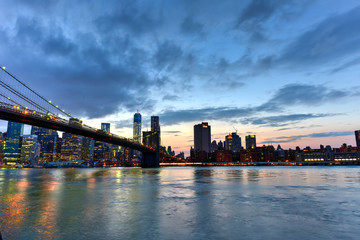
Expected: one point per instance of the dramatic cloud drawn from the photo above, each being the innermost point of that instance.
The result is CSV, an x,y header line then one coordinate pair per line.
x,y
262,63
289,95
301,94
333,39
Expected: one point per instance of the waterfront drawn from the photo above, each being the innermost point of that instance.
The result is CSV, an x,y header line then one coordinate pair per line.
x,y
181,203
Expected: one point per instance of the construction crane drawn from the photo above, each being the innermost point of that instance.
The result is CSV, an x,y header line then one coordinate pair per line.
x,y
235,129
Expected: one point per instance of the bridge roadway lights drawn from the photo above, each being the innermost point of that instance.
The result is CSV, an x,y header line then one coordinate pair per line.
x,y
150,160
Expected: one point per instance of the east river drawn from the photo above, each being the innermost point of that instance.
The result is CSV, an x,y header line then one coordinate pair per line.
x,y
181,203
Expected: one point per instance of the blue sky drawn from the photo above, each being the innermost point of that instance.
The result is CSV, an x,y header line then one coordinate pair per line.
x,y
287,71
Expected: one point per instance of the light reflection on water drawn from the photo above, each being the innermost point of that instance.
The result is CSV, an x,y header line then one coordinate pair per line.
x,y
181,203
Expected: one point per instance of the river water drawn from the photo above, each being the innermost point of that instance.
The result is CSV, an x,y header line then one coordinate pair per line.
x,y
181,203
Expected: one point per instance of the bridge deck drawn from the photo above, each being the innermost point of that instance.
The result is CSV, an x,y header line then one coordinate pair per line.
x,y
16,114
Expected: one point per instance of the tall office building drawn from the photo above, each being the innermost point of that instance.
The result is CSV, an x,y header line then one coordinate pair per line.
x,y
12,143
105,127
30,148
250,142
155,124
137,127
357,138
71,147
87,149
233,142
48,139
202,137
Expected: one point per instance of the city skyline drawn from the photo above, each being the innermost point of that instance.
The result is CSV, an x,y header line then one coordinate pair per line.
x,y
282,71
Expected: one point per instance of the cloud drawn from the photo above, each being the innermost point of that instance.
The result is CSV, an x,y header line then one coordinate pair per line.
x,y
259,13
346,65
286,139
295,127
167,55
86,75
170,97
288,95
192,27
170,132
282,120
132,16
302,94
329,41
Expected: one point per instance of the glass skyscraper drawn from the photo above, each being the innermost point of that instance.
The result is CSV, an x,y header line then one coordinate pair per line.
x,y
30,148
48,140
12,142
137,127
233,142
155,125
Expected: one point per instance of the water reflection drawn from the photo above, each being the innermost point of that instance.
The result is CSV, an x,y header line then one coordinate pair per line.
x,y
180,203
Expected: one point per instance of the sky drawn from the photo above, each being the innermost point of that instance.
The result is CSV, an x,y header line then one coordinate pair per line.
x,y
284,70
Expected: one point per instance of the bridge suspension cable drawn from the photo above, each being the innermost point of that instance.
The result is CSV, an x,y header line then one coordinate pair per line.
x,y
16,95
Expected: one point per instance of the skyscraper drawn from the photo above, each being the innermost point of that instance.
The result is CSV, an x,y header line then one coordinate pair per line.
x,y
105,127
357,138
155,129
202,137
233,142
71,147
250,142
12,142
155,125
30,148
87,150
137,127
48,140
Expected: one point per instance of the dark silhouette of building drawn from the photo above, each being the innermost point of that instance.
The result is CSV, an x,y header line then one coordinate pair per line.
x,y
233,142
214,146
155,124
357,138
202,137
222,156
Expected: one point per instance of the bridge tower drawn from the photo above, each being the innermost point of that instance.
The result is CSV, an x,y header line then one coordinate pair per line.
x,y
150,160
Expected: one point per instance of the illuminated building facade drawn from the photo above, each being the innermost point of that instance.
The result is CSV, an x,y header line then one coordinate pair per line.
x,y
233,142
87,149
71,147
12,143
48,139
98,151
250,142
30,149
137,127
357,138
202,137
